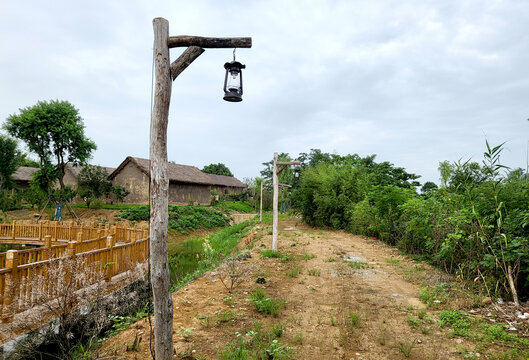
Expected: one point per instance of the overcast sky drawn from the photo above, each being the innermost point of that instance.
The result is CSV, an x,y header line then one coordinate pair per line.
x,y
415,82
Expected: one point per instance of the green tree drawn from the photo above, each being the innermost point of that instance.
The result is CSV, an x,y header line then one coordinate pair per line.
x,y
217,169
95,179
10,157
54,131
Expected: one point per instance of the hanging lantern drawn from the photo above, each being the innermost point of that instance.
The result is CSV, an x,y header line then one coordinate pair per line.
x,y
233,80
296,174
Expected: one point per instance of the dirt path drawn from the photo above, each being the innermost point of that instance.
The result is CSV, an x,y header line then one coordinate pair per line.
x,y
352,300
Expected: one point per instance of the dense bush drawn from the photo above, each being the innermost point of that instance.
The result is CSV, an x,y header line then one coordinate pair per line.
x,y
475,225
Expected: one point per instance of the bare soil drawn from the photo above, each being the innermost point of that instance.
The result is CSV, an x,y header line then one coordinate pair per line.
x,y
319,303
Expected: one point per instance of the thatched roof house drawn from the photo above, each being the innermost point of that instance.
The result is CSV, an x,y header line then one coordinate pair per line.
x,y
23,175
186,183
72,172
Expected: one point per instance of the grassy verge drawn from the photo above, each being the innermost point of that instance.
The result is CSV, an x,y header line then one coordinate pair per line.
x,y
197,255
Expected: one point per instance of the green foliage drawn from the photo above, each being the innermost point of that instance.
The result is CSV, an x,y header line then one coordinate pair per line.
x,y
54,131
10,158
95,179
217,169
96,204
181,218
476,225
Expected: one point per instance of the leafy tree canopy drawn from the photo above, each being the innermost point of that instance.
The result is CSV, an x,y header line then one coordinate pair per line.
x,y
95,179
54,131
10,158
217,169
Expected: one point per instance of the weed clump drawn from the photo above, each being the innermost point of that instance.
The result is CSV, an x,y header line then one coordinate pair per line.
x,y
264,304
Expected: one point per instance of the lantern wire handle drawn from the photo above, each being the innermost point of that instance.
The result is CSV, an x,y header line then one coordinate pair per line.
x,y
234,53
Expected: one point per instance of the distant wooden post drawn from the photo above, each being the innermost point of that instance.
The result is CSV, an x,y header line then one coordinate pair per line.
x,y
275,173
261,206
13,230
275,182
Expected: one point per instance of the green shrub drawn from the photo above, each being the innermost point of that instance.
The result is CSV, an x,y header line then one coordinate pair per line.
x,y
96,203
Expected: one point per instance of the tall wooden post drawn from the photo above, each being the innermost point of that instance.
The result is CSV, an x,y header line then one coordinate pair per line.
x,y
261,207
275,182
165,72
163,303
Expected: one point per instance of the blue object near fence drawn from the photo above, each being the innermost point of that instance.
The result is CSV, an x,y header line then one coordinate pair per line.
x,y
58,212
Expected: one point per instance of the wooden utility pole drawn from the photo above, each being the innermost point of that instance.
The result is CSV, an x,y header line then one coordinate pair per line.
x,y
261,207
159,182
275,173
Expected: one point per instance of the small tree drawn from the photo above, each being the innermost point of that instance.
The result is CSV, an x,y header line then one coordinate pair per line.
x,y
55,132
217,169
95,179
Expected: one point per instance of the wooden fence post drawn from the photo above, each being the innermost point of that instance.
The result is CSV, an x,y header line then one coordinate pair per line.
x,y
40,231
10,287
69,231
275,182
109,265
70,250
13,230
47,251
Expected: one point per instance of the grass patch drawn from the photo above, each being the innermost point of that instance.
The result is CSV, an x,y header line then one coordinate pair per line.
x,y
257,344
392,261
269,253
354,321
264,304
314,272
330,259
357,265
432,296
308,256
294,272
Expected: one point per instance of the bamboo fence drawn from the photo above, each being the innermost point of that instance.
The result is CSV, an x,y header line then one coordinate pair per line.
x,y
27,276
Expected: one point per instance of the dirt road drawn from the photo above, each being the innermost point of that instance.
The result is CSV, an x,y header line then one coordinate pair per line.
x,y
346,297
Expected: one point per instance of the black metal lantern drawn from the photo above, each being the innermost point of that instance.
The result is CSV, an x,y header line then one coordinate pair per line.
x,y
233,80
296,174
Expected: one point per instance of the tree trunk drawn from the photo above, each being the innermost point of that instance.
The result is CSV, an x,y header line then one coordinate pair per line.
x,y
512,285
163,304
275,201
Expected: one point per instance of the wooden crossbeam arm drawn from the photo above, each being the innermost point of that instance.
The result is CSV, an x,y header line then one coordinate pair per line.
x,y
281,169
209,42
285,185
184,60
288,163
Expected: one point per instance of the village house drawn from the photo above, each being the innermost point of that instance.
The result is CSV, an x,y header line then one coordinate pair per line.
x,y
187,184
22,176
